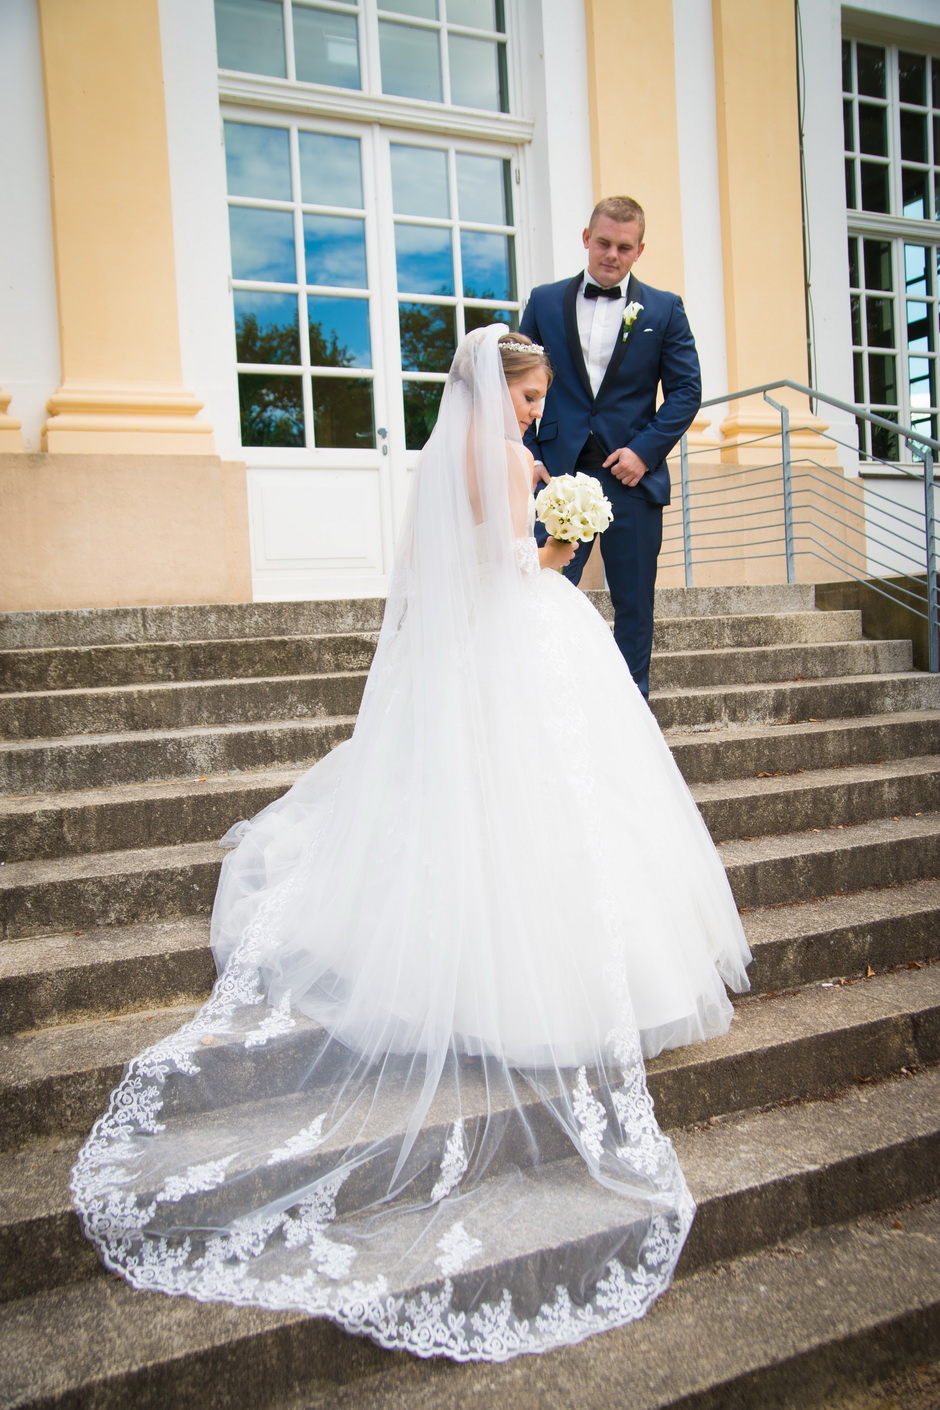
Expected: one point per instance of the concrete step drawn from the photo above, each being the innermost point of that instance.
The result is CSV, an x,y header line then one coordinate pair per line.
x,y
100,626
815,798
787,702
67,978
55,1081
128,663
711,754
754,1185
801,1324
73,667
109,760
782,661
55,713
801,866
136,815
202,809
127,887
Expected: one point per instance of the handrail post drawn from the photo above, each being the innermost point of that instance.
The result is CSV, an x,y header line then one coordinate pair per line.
x,y
933,607
686,510
787,487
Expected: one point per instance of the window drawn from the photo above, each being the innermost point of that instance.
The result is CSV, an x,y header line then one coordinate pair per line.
x,y
437,51
891,113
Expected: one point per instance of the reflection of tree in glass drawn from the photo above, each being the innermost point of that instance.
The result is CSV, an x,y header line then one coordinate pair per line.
x,y
272,411
266,342
325,349
422,401
428,337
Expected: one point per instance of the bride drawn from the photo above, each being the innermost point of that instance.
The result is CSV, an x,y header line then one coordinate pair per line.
x,y
415,1102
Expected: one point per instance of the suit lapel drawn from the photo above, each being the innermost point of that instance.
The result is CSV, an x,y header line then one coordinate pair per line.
x,y
634,294
571,330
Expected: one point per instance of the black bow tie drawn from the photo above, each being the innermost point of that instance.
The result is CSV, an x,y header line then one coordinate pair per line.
x,y
594,291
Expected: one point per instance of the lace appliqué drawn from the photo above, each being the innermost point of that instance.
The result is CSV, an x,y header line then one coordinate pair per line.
x,y
457,1248
527,555
453,1165
302,1143
278,1021
590,1115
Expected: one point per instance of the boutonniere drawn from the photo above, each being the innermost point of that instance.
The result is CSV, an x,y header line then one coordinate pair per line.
x,y
630,315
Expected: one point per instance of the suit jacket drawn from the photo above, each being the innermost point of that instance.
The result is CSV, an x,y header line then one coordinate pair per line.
x,y
659,349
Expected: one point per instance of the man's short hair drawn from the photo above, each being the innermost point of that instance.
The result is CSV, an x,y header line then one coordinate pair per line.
x,y
621,209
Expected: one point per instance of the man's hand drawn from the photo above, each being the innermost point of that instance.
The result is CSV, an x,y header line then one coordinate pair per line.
x,y
540,475
626,466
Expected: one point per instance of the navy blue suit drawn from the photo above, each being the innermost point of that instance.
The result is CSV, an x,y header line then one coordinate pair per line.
x,y
579,430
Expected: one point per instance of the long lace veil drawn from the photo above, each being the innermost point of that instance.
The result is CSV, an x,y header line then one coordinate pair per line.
x,y
404,1107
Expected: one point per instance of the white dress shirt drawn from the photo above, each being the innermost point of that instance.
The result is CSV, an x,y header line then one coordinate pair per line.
x,y
600,322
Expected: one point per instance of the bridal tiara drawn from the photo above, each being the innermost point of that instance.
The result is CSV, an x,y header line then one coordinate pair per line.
x,y
521,347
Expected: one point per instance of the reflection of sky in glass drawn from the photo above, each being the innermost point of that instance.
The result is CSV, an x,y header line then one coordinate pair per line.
x,y
919,371
347,322
326,47
266,327
262,245
428,336
424,9
482,189
251,36
335,248
411,61
475,14
424,259
914,193
330,170
257,160
474,72
918,328
915,269
487,265
419,181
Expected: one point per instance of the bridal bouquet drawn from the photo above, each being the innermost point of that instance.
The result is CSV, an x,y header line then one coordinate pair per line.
x,y
574,508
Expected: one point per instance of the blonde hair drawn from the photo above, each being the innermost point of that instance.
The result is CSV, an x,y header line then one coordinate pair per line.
x,y
619,208
518,360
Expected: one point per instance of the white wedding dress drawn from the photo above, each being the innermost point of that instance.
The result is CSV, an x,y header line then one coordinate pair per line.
x,y
415,1102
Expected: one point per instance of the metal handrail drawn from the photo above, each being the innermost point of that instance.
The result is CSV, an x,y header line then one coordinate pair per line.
x,y
923,447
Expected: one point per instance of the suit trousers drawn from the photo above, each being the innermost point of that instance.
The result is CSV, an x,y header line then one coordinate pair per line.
x,y
630,548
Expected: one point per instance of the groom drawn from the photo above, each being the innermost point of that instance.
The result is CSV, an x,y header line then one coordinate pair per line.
x,y
613,342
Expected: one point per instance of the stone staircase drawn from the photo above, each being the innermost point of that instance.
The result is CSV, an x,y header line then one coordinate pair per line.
x,y
810,1133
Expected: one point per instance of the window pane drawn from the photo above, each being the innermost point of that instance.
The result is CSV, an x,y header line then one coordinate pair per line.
x,y
411,61
914,193
920,378
853,263
916,269
847,67
424,9
342,413
326,47
419,181
257,160
880,323
266,327
481,317
476,14
856,319
330,170
339,332
250,36
422,400
488,271
428,336
882,381
884,443
870,60
858,363
873,129
919,328
272,410
878,265
335,248
874,187
262,245
912,78
848,125
424,259
935,67
483,191
850,198
475,73
913,137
